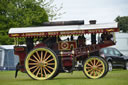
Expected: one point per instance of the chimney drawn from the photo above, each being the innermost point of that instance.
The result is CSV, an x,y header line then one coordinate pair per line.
x,y
92,21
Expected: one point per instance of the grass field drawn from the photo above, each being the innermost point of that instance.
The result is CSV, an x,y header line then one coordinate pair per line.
x,y
116,77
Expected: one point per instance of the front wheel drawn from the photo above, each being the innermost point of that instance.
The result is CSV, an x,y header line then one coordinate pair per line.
x,y
94,67
41,64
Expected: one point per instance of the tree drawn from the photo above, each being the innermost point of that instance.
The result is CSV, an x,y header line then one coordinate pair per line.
x,y
3,22
122,23
23,13
52,10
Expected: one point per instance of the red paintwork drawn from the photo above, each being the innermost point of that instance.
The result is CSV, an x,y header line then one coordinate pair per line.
x,y
86,49
67,61
40,45
106,44
19,49
67,45
22,54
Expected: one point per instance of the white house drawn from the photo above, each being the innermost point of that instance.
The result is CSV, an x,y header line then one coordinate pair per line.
x,y
122,42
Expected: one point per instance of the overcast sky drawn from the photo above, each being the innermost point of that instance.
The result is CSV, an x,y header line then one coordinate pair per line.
x,y
101,10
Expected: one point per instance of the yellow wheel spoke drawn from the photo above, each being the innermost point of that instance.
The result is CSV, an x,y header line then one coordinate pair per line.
x,y
91,73
32,67
50,67
45,73
45,54
89,70
50,60
35,70
99,65
41,55
100,68
32,60
51,64
35,57
38,72
48,70
94,61
47,57
97,62
89,65
38,55
32,63
99,71
41,72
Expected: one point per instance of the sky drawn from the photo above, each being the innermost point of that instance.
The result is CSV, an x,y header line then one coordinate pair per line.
x,y
103,11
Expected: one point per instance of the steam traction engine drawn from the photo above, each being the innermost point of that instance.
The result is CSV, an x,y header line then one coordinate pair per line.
x,y
46,52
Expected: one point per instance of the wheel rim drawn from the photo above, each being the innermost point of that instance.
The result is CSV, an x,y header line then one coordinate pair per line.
x,y
110,66
41,64
94,68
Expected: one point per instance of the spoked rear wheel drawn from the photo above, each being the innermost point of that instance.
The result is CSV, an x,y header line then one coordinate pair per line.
x,y
95,67
41,64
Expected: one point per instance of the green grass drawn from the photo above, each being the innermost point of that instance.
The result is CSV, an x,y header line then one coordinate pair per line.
x,y
116,77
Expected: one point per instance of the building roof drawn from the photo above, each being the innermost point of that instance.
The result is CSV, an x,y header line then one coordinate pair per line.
x,y
6,46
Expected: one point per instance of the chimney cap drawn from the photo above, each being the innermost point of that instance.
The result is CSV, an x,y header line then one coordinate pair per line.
x,y
92,21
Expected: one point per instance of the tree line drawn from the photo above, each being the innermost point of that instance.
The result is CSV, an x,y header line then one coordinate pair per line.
x,y
24,13
122,23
